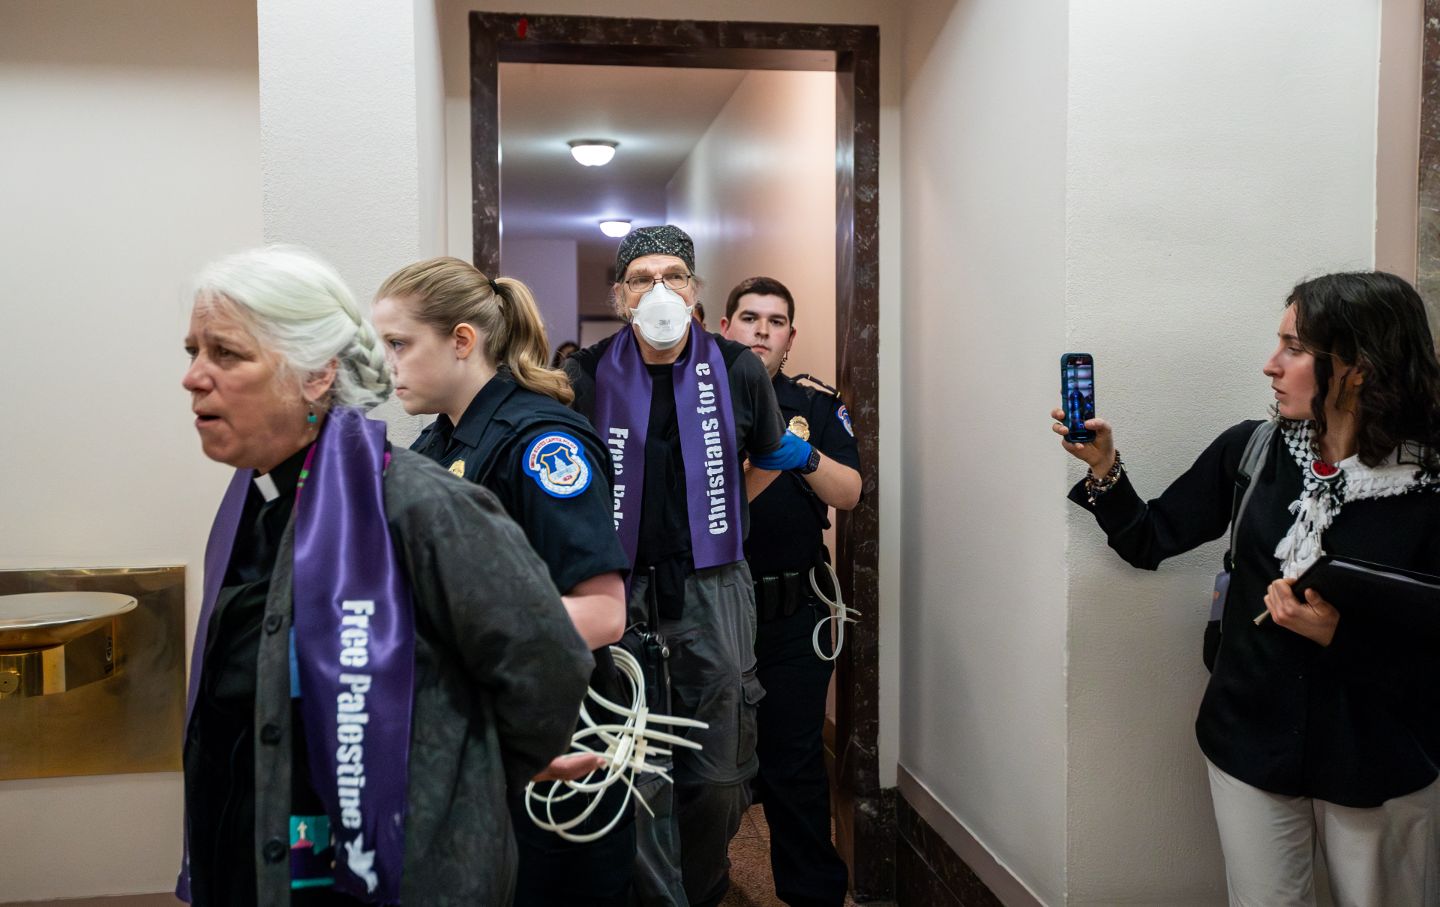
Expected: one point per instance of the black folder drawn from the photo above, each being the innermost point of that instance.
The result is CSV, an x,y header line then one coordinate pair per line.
x,y
1405,598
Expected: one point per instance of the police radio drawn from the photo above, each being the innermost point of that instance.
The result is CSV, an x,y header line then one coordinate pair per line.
x,y
1077,395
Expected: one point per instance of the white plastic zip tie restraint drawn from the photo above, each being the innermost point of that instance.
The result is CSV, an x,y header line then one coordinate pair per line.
x,y
626,748
839,612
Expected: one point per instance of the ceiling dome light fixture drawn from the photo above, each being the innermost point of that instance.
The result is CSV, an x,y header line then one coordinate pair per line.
x,y
615,228
593,152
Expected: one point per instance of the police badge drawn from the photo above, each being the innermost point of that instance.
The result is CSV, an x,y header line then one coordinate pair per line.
x,y
799,428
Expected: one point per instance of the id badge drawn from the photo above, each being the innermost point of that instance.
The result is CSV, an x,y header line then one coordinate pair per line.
x,y
294,668
1217,598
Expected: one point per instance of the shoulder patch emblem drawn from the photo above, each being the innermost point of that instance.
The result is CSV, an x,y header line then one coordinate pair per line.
x,y
458,468
844,416
557,463
799,427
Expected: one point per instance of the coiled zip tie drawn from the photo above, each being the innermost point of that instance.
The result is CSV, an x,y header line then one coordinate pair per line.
x,y
839,612
626,748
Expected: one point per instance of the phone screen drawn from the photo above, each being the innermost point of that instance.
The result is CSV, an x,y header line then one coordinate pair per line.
x,y
1077,394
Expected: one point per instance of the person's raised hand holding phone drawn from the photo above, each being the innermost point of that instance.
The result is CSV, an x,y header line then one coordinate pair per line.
x,y
1098,454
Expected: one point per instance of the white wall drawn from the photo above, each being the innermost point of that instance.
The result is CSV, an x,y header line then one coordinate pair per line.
x,y
982,723
352,140
131,157
430,130
549,267
1211,165
758,197
1397,152
1144,182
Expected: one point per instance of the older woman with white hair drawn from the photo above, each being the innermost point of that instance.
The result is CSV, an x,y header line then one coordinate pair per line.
x,y
363,687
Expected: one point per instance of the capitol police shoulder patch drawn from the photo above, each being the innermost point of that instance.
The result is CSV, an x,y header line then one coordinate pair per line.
x,y
844,416
557,463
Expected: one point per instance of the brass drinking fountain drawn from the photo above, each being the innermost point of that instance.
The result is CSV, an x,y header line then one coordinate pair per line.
x,y
92,663
51,642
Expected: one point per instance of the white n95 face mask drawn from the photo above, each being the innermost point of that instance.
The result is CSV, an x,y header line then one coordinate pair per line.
x,y
662,317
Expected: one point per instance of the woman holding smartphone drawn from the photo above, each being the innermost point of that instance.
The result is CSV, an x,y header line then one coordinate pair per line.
x,y
474,350
1321,726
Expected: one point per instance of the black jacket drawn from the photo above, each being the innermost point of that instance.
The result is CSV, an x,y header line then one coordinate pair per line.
x,y
499,675
1355,723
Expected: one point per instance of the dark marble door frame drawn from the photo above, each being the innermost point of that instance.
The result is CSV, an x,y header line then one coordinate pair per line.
x,y
864,813
1427,276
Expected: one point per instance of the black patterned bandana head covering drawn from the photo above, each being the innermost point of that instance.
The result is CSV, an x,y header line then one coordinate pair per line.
x,y
666,240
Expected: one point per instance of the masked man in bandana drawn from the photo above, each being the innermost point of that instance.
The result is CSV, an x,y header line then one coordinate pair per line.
x,y
680,409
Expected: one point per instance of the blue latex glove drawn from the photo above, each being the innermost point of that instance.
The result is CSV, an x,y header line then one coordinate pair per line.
x,y
791,454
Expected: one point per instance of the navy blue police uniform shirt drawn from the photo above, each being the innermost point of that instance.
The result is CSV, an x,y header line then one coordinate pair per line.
x,y
547,467
552,475
787,519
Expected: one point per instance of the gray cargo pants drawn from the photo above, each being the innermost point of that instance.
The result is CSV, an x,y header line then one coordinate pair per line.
x,y
682,852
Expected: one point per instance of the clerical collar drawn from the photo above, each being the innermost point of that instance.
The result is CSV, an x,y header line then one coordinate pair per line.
x,y
283,478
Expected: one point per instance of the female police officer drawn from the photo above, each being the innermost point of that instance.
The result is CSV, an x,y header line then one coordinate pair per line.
x,y
474,350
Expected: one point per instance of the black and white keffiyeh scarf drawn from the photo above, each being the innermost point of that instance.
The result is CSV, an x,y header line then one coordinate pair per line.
x,y
1327,488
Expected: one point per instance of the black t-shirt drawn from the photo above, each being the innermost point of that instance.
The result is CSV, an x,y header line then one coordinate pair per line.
x,y
787,519
1355,723
547,467
664,518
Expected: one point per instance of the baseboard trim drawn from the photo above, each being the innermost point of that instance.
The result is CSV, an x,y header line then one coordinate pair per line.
x,y
165,899
962,845
970,859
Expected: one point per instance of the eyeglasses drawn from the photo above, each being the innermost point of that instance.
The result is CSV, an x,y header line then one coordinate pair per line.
x,y
641,284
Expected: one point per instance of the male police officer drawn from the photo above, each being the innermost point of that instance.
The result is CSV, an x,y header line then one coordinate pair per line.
x,y
680,409
783,548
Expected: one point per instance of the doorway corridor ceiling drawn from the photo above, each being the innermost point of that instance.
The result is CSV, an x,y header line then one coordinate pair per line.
x,y
656,114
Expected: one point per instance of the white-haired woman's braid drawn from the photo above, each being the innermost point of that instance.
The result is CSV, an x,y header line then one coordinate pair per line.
x,y
367,359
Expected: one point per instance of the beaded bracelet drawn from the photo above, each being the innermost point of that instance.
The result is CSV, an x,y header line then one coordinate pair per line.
x,y
1095,488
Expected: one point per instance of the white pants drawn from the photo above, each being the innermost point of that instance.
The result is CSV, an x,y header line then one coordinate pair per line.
x,y
1387,856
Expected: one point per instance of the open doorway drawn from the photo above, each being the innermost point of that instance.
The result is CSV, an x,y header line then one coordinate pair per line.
x,y
864,813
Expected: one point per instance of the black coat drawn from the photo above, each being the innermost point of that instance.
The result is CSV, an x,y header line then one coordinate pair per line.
x,y
499,676
1355,723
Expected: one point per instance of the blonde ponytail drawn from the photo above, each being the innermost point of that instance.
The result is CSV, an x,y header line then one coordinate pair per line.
x,y
444,292
526,348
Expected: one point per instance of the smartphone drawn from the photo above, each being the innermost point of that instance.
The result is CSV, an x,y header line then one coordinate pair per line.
x,y
1077,395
